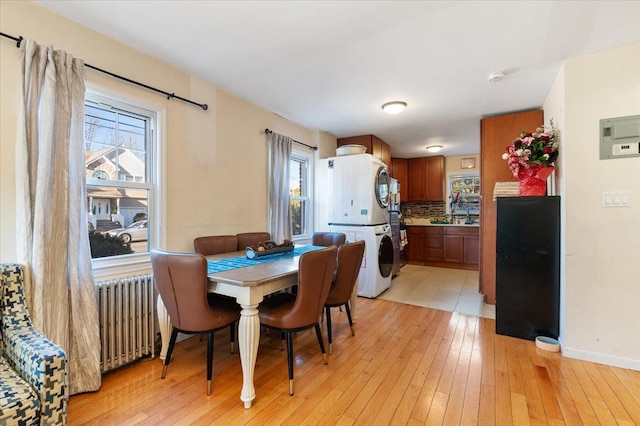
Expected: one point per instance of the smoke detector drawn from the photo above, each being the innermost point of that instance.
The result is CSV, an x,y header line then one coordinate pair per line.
x,y
495,77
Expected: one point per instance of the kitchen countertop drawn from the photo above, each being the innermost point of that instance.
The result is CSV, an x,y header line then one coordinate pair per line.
x,y
425,222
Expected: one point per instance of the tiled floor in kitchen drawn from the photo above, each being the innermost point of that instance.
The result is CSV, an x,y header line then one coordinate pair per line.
x,y
453,290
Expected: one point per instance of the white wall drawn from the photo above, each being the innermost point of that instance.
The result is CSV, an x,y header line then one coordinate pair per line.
x,y
602,245
216,159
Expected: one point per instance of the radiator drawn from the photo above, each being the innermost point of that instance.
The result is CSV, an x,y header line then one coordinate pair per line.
x,y
127,320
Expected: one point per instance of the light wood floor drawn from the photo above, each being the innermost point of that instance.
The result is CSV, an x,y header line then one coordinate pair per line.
x,y
405,365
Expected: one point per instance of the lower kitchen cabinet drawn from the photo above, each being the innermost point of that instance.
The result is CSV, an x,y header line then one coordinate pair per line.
x,y
453,248
415,243
444,246
432,244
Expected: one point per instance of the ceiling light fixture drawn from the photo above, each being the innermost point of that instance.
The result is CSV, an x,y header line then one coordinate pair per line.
x,y
394,107
495,77
434,148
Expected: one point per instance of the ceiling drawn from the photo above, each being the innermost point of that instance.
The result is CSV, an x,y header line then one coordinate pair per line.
x,y
330,65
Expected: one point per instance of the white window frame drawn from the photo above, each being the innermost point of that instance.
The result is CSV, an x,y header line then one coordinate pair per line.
x,y
308,157
138,263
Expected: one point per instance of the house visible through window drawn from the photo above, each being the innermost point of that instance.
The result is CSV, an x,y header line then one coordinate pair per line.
x,y
299,192
118,154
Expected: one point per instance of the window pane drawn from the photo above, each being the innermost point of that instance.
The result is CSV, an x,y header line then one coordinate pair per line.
x,y
298,217
115,145
297,176
117,220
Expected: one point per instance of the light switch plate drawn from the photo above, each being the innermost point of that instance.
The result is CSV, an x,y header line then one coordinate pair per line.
x,y
616,199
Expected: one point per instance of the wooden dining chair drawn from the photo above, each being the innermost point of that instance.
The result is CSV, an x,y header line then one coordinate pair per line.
x,y
215,244
349,261
247,239
181,279
303,311
328,239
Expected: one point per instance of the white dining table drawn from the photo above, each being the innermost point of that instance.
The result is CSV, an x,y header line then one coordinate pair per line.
x,y
248,285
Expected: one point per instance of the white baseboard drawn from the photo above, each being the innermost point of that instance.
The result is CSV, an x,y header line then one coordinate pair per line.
x,y
632,364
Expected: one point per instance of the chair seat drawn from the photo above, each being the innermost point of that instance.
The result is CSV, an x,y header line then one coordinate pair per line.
x,y
19,402
272,309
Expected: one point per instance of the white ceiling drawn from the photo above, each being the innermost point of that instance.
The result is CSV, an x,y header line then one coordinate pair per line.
x,y
330,65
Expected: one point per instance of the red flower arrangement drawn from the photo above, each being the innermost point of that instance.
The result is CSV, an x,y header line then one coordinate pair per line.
x,y
537,148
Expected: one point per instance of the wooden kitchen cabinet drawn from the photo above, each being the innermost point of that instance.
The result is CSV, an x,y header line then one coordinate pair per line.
x,y
415,243
496,133
453,251
444,246
471,250
460,245
433,244
375,146
426,179
400,171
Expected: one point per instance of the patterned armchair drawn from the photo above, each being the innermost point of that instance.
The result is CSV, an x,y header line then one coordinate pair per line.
x,y
32,369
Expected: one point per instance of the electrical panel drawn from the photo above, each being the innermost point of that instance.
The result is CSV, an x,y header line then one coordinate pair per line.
x,y
620,137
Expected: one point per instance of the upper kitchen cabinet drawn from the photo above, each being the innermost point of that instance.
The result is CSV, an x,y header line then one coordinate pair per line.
x,y
496,134
375,146
400,170
426,179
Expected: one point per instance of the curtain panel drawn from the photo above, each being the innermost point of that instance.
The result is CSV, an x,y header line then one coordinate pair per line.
x,y
51,193
279,212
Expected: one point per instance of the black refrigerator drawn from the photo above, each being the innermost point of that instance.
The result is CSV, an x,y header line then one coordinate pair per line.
x,y
528,267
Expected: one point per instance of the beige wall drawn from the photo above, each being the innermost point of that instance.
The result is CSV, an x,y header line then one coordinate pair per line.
x,y
601,245
215,159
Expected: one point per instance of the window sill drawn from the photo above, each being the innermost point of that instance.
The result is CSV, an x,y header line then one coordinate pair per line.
x,y
107,268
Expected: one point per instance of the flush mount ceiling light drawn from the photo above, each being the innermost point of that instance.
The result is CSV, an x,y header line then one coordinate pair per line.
x,y
434,148
495,77
394,107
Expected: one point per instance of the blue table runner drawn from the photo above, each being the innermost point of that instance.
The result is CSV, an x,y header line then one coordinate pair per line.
x,y
222,265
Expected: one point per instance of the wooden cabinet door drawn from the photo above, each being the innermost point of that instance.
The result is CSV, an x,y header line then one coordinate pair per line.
x,y
471,250
386,154
400,171
376,147
435,178
415,243
364,140
417,179
496,134
453,248
433,244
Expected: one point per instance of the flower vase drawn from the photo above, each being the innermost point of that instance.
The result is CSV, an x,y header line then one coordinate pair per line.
x,y
533,180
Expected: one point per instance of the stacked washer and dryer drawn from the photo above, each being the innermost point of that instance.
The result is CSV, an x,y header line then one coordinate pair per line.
x,y
358,207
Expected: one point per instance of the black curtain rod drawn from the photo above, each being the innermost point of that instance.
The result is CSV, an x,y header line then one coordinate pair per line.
x,y
315,148
205,107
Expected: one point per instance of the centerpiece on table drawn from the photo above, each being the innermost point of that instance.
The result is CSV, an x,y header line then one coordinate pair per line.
x,y
530,158
268,247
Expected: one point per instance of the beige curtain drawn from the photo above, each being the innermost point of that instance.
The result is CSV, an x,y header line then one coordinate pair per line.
x,y
51,192
279,212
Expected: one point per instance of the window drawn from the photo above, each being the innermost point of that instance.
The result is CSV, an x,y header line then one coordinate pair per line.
x,y
300,191
119,154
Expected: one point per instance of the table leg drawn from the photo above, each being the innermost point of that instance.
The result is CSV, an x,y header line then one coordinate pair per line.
x,y
164,324
248,339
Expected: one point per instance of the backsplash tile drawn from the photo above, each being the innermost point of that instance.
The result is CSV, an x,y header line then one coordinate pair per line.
x,y
420,209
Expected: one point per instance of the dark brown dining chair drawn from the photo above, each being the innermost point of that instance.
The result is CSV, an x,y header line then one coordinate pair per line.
x,y
315,273
251,239
215,244
181,279
328,239
349,261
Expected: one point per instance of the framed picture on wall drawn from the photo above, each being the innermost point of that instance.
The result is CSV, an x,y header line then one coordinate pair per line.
x,y
468,163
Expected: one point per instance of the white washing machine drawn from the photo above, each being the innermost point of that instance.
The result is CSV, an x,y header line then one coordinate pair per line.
x,y
359,190
377,265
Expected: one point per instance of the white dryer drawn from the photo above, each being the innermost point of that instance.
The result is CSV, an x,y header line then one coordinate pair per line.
x,y
377,264
359,190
